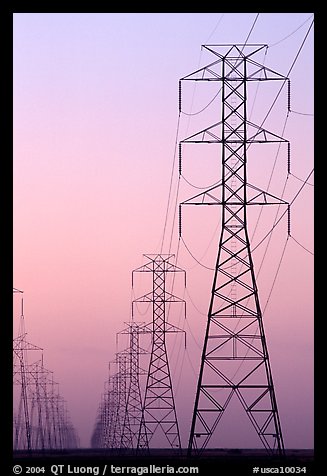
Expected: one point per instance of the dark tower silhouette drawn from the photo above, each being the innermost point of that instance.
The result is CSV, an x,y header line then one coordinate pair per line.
x,y
22,378
133,410
158,410
41,418
235,360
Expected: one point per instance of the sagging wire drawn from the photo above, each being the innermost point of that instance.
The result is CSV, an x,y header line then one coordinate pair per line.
x,y
288,73
288,36
170,184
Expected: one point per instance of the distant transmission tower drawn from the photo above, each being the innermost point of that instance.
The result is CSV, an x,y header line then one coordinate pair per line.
x,y
21,378
103,435
235,358
158,410
120,389
41,418
133,410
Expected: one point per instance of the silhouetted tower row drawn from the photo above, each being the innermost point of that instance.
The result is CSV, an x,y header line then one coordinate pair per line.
x,y
22,379
129,418
101,433
119,414
119,399
235,360
41,418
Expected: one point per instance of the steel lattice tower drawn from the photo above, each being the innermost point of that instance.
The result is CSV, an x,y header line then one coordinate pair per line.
x,y
41,420
21,377
119,400
158,410
106,415
133,411
235,358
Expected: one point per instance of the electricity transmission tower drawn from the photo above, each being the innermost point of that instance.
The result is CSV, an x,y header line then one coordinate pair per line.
x,y
119,414
120,398
235,358
133,410
158,410
103,432
40,415
21,378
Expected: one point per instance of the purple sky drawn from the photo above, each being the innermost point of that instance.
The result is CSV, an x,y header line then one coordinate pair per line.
x,y
95,121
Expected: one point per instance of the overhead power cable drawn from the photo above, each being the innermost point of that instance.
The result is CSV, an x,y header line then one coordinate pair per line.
x,y
283,214
288,73
215,28
204,108
306,249
266,235
302,113
288,36
276,274
195,259
196,186
247,38
301,180
171,183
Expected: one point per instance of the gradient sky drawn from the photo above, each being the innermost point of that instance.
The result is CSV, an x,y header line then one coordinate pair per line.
x,y
95,121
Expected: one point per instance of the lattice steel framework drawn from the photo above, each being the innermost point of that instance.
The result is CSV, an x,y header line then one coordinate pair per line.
x,y
119,414
21,378
158,410
120,399
103,432
133,410
40,418
235,358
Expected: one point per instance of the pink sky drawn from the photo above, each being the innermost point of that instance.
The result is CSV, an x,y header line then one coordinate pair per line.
x,y
95,117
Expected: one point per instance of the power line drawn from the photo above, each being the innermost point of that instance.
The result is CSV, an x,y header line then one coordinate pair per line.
x,y
195,307
204,108
174,216
247,38
171,183
290,69
258,85
271,175
277,272
301,180
195,259
270,236
288,73
196,186
300,189
306,249
282,215
285,38
267,234
190,362
305,182
215,28
301,113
